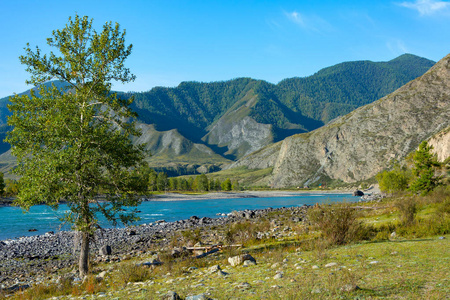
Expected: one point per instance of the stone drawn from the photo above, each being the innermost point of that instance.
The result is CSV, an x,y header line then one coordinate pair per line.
x,y
332,264
244,285
171,295
358,193
101,276
214,269
105,250
350,288
278,276
238,260
314,267
198,297
249,263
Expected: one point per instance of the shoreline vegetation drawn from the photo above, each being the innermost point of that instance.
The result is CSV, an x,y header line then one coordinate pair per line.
x,y
368,249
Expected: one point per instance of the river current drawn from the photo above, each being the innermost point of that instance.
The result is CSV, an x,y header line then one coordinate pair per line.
x,y
14,222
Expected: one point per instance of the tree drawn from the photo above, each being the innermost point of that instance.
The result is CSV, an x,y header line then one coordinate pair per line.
x,y
393,181
162,182
152,181
235,185
425,163
2,185
226,185
73,143
202,183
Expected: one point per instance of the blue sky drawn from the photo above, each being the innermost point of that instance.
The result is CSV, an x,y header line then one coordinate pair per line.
x,y
207,41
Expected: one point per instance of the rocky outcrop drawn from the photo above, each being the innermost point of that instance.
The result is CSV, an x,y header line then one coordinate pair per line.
x,y
172,150
441,144
373,137
242,137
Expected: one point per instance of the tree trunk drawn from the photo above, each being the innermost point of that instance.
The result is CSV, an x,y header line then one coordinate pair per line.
x,y
83,264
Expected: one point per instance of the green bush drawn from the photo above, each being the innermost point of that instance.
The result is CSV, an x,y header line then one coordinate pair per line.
x,y
393,181
133,273
338,223
407,208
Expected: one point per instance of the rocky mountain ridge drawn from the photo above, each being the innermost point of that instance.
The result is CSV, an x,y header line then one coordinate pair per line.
x,y
358,145
207,125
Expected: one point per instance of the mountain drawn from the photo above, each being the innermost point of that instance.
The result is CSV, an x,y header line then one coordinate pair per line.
x,y
212,124
360,144
240,116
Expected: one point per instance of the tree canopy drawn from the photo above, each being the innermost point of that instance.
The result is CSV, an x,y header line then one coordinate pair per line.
x,y
73,142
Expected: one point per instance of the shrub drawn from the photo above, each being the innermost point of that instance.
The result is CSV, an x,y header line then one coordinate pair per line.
x,y
338,223
133,273
393,181
407,208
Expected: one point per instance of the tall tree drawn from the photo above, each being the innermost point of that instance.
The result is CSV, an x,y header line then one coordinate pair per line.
x,y
425,163
73,143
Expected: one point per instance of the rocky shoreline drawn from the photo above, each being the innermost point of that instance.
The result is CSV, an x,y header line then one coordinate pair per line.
x,y
28,260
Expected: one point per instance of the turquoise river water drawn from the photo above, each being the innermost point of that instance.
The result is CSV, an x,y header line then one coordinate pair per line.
x,y
14,222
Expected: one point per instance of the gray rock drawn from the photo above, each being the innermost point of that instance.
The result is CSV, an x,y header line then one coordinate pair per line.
x,y
105,250
358,193
333,264
198,297
249,263
278,276
238,260
214,269
350,288
171,296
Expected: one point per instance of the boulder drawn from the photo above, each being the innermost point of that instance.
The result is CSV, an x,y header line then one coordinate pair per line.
x,y
358,193
105,250
198,297
238,260
171,296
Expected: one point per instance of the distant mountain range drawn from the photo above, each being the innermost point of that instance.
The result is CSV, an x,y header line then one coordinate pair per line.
x,y
200,127
357,146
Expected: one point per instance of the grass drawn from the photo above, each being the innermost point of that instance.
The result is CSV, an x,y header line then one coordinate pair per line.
x,y
412,265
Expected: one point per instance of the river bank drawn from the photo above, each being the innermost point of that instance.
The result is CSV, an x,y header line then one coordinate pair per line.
x,y
179,196
28,260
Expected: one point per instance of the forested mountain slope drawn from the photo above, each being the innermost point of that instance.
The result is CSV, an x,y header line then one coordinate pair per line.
x,y
234,118
360,144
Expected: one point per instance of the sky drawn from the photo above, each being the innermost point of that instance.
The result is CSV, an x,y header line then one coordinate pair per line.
x,y
193,40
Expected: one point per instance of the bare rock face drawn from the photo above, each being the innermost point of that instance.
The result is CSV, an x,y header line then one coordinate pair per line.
x,y
240,137
441,144
359,145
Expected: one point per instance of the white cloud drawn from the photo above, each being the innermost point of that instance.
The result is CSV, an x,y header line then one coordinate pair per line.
x,y
397,47
296,18
310,22
426,7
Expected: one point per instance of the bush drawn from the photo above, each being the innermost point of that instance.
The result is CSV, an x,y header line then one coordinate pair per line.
x,y
133,273
338,223
407,208
393,181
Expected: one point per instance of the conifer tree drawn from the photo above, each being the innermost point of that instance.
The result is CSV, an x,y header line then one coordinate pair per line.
x,y
425,163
